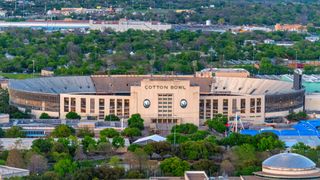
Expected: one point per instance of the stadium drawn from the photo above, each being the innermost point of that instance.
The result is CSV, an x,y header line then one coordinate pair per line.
x,y
161,100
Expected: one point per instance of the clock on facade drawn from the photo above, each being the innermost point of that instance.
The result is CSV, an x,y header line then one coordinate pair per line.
x,y
183,103
146,103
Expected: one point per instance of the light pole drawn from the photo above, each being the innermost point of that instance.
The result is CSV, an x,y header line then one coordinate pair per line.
x,y
33,68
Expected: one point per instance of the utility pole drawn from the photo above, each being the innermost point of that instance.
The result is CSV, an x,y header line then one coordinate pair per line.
x,y
33,68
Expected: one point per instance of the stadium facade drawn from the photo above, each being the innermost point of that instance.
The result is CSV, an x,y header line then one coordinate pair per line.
x,y
161,100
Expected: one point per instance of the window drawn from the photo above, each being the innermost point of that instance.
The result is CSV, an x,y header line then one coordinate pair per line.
x,y
243,106
215,106
165,105
66,104
73,104
83,105
112,106
258,105
252,105
225,106
234,105
126,108
92,105
119,107
101,108
208,108
201,104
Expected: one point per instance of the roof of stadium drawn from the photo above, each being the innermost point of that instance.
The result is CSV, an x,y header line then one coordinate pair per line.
x,y
103,84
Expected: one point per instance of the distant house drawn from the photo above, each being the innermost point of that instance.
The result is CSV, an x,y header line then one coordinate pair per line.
x,y
250,42
268,41
148,139
4,118
312,38
3,13
290,27
47,71
285,43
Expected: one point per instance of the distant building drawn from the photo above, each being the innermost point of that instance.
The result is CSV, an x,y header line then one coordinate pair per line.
x,y
288,166
284,43
69,11
4,118
148,139
69,24
312,38
250,42
290,27
7,172
224,72
47,71
3,13
242,29
268,41
185,11
161,100
195,175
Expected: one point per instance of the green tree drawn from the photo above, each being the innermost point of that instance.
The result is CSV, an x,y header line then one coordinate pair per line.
x,y
64,166
2,133
195,150
174,166
42,145
218,123
184,128
15,132
88,143
246,159
44,116
82,132
73,115
114,161
109,132
177,138
297,116
111,117
131,132
118,141
208,166
311,153
135,121
269,143
62,130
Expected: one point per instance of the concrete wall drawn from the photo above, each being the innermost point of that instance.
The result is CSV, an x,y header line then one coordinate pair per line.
x,y
312,102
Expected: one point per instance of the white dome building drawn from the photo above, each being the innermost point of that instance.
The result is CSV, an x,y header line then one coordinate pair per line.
x,y
289,166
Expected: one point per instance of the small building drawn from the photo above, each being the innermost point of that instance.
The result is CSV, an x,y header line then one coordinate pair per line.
x,y
288,166
268,41
47,71
3,13
4,118
7,172
290,27
284,43
148,139
312,38
195,175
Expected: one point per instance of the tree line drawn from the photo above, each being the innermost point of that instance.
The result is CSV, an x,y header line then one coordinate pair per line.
x,y
141,52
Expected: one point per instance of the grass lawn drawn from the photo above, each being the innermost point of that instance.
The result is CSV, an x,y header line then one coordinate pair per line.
x,y
18,75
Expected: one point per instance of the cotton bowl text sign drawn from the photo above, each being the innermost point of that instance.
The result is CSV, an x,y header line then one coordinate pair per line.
x,y
164,87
